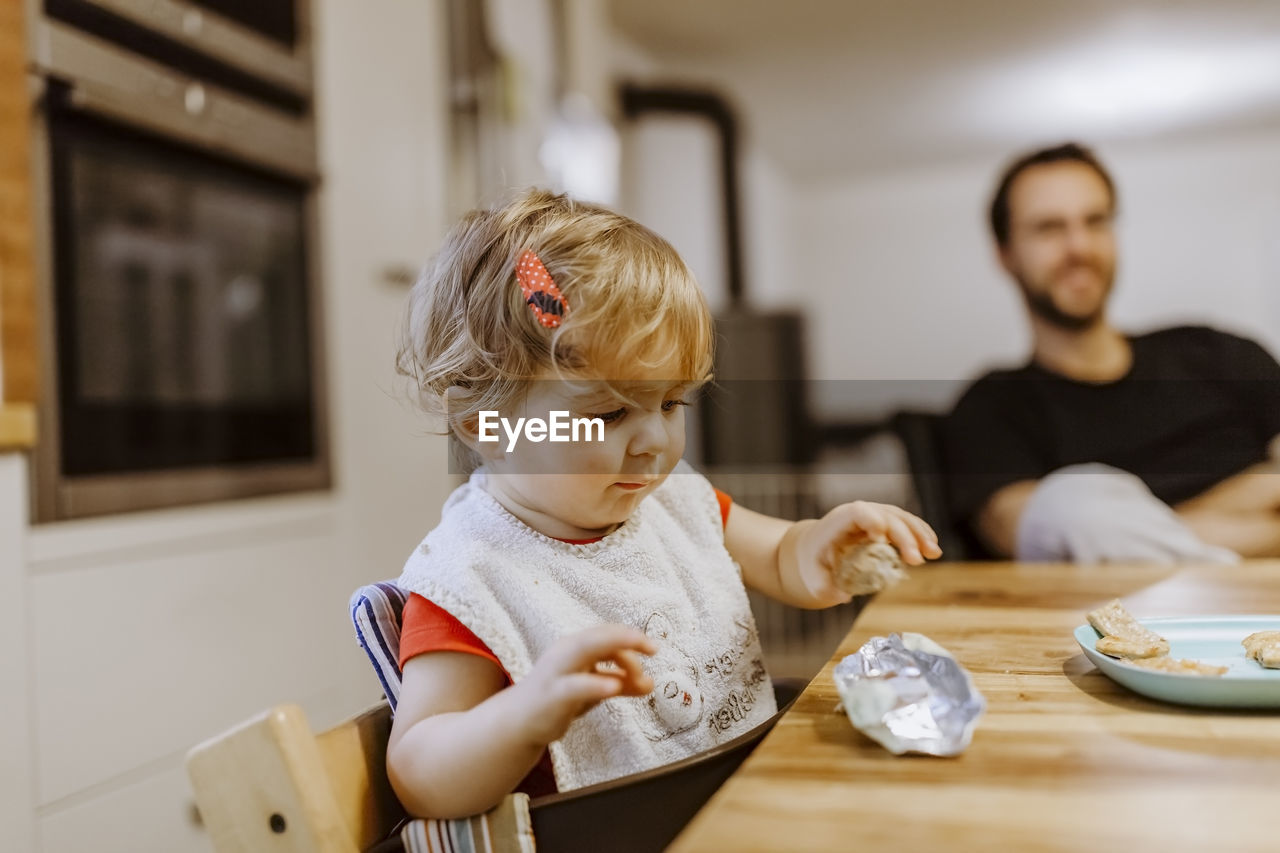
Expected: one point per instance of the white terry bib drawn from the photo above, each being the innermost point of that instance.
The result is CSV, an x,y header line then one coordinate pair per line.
x,y
665,571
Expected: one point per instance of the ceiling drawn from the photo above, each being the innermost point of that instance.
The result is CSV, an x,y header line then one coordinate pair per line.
x,y
829,87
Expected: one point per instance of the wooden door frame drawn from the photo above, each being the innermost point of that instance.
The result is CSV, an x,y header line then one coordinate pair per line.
x,y
19,363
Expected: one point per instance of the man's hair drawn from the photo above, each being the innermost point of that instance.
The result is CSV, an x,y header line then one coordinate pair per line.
x,y
1068,152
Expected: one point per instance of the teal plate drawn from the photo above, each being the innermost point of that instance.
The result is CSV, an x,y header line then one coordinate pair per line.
x,y
1207,639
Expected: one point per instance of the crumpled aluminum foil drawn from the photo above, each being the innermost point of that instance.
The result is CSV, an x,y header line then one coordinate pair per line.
x,y
909,694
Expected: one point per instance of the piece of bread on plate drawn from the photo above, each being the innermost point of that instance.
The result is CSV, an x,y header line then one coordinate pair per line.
x,y
1264,647
1129,638
1179,667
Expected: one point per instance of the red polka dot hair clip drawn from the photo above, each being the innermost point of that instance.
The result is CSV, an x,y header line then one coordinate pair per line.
x,y
540,292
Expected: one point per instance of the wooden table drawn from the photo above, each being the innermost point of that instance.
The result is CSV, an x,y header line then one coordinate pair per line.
x,y
1063,759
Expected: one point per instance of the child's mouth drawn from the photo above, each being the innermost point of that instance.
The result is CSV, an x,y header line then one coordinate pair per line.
x,y
631,486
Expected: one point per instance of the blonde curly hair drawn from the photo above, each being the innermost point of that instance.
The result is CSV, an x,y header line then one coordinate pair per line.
x,y
470,342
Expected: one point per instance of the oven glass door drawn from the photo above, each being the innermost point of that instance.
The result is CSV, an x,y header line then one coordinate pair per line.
x,y
275,19
181,305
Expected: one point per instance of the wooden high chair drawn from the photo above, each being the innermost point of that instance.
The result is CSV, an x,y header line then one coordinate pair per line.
x,y
271,785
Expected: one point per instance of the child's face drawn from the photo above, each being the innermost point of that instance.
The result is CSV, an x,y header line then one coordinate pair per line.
x,y
584,489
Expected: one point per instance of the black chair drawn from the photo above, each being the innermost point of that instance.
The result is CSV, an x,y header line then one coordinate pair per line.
x,y
636,813
921,435
644,812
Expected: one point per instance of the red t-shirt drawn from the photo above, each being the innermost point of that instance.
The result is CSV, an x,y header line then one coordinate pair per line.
x,y
427,627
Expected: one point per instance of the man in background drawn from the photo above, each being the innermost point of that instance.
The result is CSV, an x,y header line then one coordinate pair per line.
x,y
1189,411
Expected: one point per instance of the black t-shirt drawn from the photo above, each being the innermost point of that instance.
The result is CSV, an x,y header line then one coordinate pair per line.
x,y
1196,406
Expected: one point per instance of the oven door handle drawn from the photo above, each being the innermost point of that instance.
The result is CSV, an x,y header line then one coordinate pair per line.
x,y
99,78
224,39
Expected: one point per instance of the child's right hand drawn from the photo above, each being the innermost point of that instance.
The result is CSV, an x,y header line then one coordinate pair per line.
x,y
568,679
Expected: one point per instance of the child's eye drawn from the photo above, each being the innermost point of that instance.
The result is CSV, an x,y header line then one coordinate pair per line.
x,y
610,417
671,405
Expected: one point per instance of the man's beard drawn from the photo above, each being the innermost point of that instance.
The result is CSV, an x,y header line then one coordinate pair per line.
x,y
1041,304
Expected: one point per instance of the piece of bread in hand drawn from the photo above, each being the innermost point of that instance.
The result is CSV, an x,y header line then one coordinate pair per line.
x,y
867,567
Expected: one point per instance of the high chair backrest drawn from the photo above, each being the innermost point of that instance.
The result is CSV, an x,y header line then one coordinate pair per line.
x,y
272,785
376,611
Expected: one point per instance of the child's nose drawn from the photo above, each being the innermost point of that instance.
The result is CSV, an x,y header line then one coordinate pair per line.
x,y
650,437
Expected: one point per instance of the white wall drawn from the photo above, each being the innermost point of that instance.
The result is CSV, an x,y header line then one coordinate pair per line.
x,y
900,282
1200,232
894,268
383,130
671,183
149,632
16,799
671,176
770,271
896,273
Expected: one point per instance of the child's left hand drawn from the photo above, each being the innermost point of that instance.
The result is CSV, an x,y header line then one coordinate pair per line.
x,y
849,524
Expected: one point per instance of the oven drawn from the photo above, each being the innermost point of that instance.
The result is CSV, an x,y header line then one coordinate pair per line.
x,y
180,309
262,46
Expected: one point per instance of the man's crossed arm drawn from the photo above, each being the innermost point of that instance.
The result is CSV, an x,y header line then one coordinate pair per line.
x,y
1241,513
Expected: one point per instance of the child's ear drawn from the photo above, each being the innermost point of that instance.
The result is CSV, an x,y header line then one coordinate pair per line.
x,y
463,457
466,429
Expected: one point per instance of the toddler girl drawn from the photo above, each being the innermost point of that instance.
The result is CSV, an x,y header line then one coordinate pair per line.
x,y
579,613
